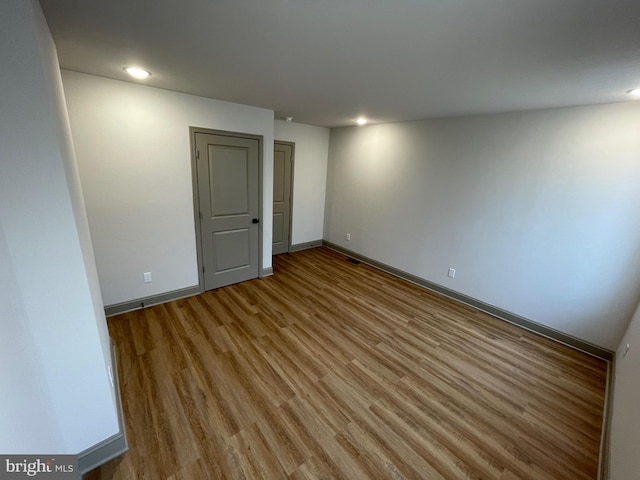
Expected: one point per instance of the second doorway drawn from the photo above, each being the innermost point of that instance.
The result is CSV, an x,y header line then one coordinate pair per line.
x,y
282,196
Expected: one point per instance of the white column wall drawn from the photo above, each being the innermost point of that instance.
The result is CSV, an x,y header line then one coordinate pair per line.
x,y
55,355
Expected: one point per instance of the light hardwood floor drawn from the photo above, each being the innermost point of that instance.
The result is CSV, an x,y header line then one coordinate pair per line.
x,y
335,370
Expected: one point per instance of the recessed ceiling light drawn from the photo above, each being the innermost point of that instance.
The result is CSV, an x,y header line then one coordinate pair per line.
x,y
136,72
361,121
635,92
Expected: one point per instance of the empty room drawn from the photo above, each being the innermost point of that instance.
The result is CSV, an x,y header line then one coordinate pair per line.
x,y
320,240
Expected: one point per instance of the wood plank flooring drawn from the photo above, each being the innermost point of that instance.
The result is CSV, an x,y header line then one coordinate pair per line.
x,y
335,370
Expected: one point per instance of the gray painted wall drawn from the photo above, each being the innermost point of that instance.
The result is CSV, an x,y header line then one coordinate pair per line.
x,y
56,394
536,211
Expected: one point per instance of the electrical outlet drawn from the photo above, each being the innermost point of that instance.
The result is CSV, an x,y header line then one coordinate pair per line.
x,y
147,277
452,273
348,236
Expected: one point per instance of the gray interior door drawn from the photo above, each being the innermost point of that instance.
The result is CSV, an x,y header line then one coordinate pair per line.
x,y
282,171
228,171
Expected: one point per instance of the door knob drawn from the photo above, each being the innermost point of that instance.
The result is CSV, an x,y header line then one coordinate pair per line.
x,y
255,220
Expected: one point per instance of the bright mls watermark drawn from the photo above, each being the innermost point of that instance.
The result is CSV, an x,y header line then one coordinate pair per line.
x,y
49,467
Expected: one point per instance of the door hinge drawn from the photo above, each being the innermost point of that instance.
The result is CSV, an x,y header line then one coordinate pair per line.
x,y
203,269
200,215
197,154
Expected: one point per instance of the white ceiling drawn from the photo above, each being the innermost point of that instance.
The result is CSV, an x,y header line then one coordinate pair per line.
x,y
324,62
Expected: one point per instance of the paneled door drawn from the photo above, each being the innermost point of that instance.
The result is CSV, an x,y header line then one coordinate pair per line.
x,y
228,176
282,174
